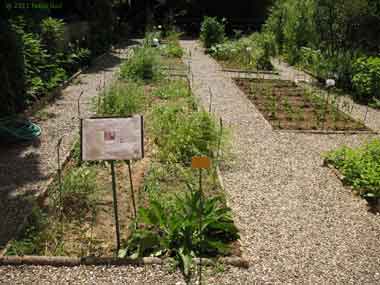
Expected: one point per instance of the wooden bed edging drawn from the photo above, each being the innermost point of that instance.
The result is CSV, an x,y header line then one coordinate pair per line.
x,y
61,261
250,71
322,132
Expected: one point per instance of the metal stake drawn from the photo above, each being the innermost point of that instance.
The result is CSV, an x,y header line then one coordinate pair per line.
x,y
117,228
210,105
200,225
59,175
132,191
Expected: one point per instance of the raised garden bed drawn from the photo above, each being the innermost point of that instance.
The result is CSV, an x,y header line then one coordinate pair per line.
x,y
290,107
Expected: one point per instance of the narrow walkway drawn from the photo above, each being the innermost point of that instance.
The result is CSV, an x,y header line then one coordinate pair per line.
x,y
298,223
26,169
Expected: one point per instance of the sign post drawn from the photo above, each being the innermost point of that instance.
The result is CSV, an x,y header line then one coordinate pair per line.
x,y
113,139
200,162
114,193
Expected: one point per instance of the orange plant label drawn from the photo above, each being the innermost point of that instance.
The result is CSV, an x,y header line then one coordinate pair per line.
x,y
200,162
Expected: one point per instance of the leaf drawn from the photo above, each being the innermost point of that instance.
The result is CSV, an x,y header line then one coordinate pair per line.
x,y
186,261
122,253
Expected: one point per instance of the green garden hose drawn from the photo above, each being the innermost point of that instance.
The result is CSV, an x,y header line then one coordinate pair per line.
x,y
14,129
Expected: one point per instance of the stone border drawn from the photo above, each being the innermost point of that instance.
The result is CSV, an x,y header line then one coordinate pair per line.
x,y
61,261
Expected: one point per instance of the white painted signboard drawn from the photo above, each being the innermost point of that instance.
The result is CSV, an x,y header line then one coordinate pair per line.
x,y
112,138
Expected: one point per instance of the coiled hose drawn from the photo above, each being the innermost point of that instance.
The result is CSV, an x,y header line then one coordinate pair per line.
x,y
15,129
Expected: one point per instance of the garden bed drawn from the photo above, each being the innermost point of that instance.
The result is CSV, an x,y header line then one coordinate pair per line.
x,y
290,107
77,219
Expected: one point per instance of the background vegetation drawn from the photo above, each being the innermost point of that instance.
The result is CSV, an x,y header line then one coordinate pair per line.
x,y
332,39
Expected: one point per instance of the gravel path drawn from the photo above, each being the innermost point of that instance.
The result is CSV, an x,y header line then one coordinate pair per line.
x,y
26,169
298,223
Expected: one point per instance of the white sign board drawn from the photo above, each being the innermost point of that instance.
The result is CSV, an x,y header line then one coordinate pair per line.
x,y
112,138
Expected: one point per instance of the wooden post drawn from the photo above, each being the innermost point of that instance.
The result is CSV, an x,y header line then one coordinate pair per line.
x,y
117,228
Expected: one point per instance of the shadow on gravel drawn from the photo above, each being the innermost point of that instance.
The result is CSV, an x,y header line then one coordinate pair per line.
x,y
110,60
19,169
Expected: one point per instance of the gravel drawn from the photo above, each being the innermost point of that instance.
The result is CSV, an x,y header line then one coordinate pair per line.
x,y
298,223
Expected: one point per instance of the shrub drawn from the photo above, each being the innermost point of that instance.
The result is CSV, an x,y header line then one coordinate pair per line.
x,y
172,90
366,80
173,50
173,229
212,32
360,167
124,100
254,51
181,135
12,73
142,65
52,31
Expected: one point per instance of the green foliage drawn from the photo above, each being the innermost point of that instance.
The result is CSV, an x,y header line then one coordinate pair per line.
x,y
251,52
31,241
181,134
171,90
79,190
142,65
173,50
360,167
326,36
121,99
12,89
52,32
366,78
172,229
172,47
212,32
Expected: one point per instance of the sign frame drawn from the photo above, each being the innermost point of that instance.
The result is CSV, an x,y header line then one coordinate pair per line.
x,y
112,117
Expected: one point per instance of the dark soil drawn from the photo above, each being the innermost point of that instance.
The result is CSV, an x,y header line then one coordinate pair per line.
x,y
290,107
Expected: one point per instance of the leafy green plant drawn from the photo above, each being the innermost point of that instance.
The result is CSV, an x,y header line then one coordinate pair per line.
x,y
181,134
173,50
366,78
30,242
171,90
142,65
359,166
251,52
173,229
52,32
212,32
124,99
